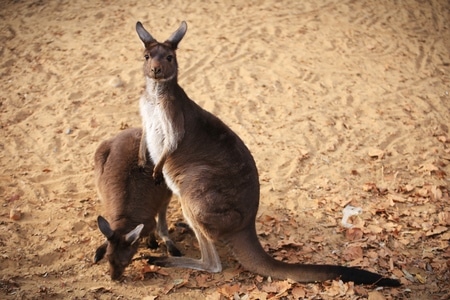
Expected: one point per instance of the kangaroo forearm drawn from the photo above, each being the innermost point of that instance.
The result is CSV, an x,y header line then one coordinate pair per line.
x,y
142,154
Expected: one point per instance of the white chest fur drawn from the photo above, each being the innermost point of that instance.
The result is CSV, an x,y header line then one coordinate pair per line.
x,y
159,129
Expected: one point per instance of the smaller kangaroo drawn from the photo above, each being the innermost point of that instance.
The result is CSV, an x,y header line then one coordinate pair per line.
x,y
131,201
214,174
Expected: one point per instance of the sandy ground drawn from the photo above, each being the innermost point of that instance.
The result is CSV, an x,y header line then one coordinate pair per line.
x,y
340,102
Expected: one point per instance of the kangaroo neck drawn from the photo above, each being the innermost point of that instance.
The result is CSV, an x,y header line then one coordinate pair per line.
x,y
161,91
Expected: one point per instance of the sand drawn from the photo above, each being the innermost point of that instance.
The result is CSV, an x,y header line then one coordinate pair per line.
x,y
340,102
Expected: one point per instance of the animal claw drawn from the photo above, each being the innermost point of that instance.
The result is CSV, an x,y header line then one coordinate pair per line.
x,y
158,178
174,251
157,261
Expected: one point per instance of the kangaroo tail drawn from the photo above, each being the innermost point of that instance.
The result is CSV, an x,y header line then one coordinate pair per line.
x,y
250,254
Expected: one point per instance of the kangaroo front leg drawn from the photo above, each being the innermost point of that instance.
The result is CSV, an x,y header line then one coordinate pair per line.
x,y
157,170
210,260
163,231
142,155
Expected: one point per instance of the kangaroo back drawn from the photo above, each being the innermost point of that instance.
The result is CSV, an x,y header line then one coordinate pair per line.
x,y
130,200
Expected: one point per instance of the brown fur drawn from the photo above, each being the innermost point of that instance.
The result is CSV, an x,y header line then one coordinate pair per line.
x,y
211,170
130,199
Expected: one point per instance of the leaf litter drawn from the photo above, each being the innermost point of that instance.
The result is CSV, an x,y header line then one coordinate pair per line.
x,y
400,232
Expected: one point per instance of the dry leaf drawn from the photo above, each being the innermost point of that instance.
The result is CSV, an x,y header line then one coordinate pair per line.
x,y
215,296
436,230
353,234
374,152
289,242
374,228
203,280
436,192
370,187
276,287
15,214
318,239
444,218
338,288
100,289
260,295
352,253
298,292
397,198
445,236
428,168
375,295
153,269
228,290
420,278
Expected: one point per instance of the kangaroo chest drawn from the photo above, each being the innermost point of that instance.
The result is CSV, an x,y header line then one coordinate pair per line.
x,y
153,122
161,134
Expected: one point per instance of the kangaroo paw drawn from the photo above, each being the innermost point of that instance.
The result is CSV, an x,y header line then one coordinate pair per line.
x,y
142,162
173,250
152,244
158,178
157,261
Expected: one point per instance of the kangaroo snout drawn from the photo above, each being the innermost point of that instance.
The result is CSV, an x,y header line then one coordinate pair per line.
x,y
156,70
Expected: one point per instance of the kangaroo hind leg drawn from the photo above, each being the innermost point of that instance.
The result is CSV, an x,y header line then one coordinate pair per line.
x,y
209,261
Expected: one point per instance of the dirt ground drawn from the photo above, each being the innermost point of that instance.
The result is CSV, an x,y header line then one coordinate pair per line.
x,y
340,102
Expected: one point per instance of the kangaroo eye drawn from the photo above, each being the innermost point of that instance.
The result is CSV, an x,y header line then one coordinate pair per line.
x,y
146,56
169,57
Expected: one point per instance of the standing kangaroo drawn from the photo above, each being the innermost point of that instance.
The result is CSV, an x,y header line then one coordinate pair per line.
x,y
130,199
211,170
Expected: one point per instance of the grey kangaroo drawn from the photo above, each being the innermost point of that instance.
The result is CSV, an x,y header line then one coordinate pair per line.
x,y
211,170
130,199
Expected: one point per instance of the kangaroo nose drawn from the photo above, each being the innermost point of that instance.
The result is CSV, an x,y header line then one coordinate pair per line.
x,y
156,70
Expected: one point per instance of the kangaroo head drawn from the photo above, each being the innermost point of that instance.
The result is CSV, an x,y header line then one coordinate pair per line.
x,y
119,249
160,58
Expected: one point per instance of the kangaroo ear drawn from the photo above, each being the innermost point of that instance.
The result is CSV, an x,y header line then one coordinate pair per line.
x,y
104,227
143,34
134,234
100,252
177,36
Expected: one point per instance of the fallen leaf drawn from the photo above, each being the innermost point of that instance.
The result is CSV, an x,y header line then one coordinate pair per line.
x,y
289,242
420,278
428,168
374,152
100,289
228,290
337,288
276,287
446,236
353,234
374,228
444,218
352,253
375,295
203,280
260,295
15,214
153,269
298,292
397,198
436,230
436,192
317,239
